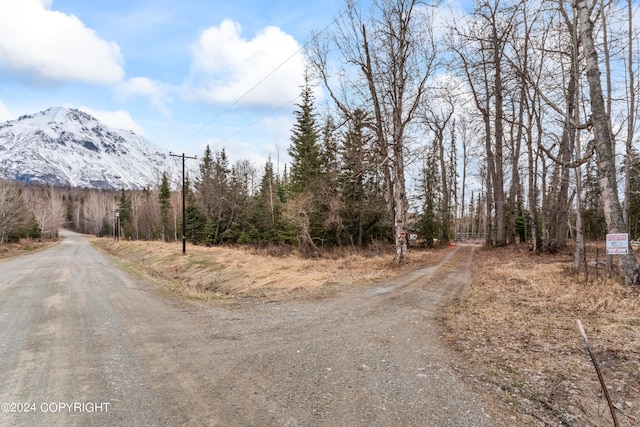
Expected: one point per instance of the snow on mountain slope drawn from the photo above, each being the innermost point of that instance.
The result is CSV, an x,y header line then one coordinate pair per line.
x,y
68,147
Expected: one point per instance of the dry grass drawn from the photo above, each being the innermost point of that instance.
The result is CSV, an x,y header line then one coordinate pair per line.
x,y
9,250
516,325
221,272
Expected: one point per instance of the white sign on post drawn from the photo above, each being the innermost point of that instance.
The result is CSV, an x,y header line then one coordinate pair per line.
x,y
617,244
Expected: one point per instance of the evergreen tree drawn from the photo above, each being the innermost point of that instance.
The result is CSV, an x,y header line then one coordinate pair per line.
x,y
124,209
429,224
265,216
148,215
593,212
194,218
363,207
329,200
238,201
106,227
164,201
305,176
304,150
204,185
33,229
222,193
212,188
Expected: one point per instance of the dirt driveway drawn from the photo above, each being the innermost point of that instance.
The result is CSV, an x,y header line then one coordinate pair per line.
x,y
84,343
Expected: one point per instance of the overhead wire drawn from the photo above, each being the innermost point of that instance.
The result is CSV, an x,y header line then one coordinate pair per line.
x,y
338,16
259,120
252,88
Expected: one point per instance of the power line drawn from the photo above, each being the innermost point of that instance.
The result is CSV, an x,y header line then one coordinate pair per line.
x,y
259,120
229,107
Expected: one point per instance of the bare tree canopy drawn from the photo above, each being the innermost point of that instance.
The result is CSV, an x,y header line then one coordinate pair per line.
x,y
389,53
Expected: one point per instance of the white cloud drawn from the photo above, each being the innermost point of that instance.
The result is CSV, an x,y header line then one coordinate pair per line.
x,y
119,119
5,114
143,86
226,66
50,46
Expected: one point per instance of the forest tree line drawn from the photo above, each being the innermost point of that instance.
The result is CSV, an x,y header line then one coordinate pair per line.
x,y
514,121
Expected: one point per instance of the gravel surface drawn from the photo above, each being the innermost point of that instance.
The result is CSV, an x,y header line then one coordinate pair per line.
x,y
84,343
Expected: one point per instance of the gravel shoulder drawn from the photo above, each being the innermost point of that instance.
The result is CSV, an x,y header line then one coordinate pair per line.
x,y
77,329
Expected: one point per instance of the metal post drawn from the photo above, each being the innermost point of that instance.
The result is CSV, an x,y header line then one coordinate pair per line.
x,y
595,364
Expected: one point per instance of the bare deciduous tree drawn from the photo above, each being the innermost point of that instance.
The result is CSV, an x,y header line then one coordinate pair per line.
x,y
48,209
393,54
438,117
99,208
12,210
481,48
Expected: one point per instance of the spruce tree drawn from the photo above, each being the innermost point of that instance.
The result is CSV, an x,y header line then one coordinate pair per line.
x,y
305,169
330,202
125,211
164,200
212,188
305,175
195,220
593,212
204,184
430,222
352,178
363,206
266,215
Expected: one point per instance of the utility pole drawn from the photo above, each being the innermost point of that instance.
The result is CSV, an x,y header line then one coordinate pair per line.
x,y
184,217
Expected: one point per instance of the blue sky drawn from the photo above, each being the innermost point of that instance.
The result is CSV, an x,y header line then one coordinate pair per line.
x,y
179,73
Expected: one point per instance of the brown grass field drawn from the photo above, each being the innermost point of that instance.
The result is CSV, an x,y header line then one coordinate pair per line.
x,y
224,273
9,250
514,327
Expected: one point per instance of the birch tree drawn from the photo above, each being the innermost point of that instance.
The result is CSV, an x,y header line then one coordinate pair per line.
x,y
631,123
99,208
48,208
600,120
12,210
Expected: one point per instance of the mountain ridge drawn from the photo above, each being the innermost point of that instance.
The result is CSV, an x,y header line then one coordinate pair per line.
x,y
68,147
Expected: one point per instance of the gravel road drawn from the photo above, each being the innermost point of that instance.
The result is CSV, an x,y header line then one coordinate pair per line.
x,y
84,343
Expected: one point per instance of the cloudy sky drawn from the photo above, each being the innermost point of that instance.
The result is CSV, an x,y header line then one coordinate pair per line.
x,y
182,73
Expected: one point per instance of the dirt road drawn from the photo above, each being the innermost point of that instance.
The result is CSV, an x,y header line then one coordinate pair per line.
x,y
84,343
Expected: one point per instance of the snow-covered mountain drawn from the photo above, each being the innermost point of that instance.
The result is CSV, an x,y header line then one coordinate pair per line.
x,y
68,147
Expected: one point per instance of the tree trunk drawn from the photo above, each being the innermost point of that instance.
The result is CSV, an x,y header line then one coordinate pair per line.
x,y
400,214
579,254
627,264
488,229
631,124
532,163
445,187
498,174
515,191
580,257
